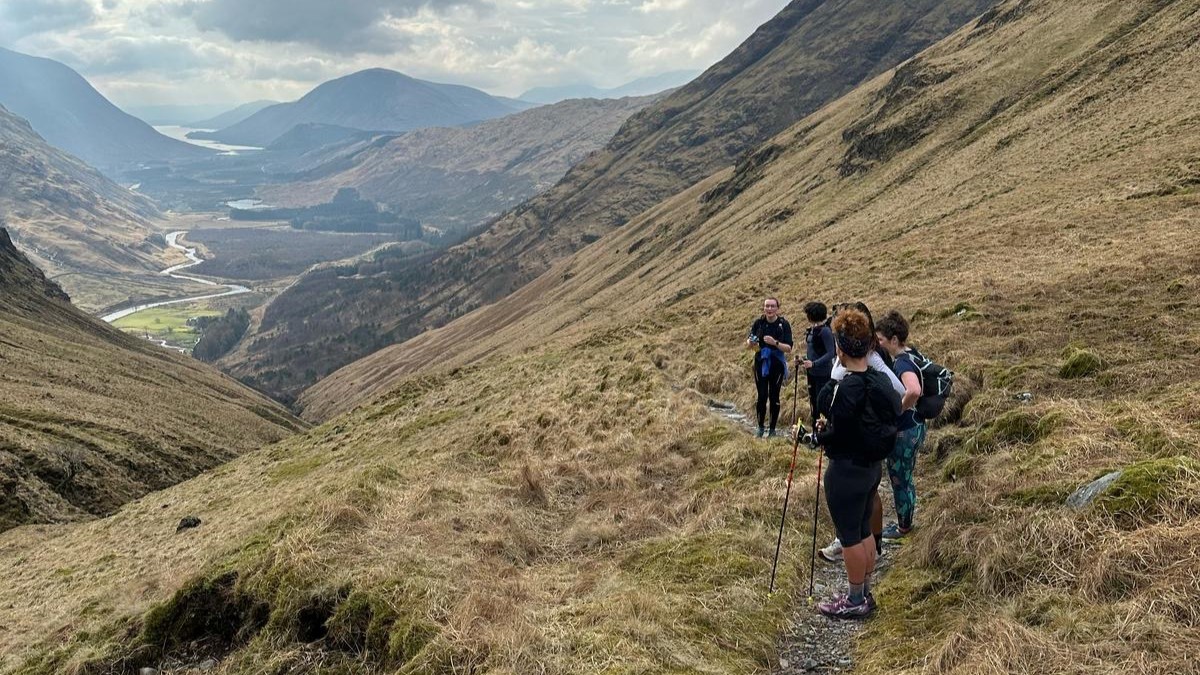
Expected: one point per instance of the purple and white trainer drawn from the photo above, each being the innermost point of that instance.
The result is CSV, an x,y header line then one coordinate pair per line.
x,y
840,607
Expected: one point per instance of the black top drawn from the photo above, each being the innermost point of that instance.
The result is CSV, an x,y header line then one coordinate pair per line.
x,y
861,414
779,329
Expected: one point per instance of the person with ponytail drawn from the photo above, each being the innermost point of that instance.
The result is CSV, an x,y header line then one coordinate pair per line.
x,y
857,431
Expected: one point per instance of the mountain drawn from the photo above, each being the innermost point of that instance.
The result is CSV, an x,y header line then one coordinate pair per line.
x,y
643,86
230,117
374,100
76,223
91,418
455,178
808,55
73,116
542,486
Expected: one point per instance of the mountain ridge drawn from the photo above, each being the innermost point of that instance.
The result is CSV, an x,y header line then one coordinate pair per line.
x,y
71,115
376,99
73,220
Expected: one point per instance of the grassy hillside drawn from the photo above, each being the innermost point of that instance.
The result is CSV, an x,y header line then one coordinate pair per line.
x,y
811,53
552,495
72,220
91,419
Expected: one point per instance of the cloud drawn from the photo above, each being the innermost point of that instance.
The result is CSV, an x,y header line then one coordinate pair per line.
x,y
345,27
21,18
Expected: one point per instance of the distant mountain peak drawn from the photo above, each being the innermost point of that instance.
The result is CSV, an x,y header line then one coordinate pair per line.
x,y
376,99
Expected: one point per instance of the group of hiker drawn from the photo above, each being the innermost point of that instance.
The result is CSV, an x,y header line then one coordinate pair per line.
x,y
870,395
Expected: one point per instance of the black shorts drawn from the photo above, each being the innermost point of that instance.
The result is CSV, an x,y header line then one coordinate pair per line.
x,y
849,488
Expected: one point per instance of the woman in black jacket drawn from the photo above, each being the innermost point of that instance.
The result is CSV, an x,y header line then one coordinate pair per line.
x,y
771,339
857,432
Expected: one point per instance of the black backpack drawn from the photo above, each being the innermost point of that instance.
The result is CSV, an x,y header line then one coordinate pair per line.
x,y
937,383
811,337
881,411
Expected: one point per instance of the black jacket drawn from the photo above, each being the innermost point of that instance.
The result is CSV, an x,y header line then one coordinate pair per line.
x,y
861,413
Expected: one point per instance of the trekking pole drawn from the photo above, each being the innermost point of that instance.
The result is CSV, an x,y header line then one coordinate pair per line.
x,y
796,393
786,496
812,563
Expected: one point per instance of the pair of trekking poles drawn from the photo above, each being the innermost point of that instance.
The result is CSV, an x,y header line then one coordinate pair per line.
x,y
800,435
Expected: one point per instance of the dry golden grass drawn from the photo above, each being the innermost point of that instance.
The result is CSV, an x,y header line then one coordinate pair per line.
x,y
554,498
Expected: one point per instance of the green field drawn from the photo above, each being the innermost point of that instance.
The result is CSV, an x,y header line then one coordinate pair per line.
x,y
166,323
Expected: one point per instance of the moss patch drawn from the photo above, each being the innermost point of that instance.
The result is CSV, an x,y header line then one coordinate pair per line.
x,y
1014,427
1146,488
1080,363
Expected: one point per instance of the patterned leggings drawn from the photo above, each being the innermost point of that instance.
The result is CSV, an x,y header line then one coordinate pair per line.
x,y
900,466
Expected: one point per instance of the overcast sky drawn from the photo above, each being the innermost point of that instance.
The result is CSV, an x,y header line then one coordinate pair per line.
x,y
140,52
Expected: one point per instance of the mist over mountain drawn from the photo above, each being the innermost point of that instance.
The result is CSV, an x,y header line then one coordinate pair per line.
x,y
231,117
643,86
373,100
178,115
71,115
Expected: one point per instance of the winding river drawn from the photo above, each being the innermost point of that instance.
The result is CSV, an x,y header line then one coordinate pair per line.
x,y
173,272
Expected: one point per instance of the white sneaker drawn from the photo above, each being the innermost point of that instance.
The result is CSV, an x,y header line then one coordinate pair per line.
x,y
831,553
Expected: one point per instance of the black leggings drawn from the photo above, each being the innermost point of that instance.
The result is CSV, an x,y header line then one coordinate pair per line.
x,y
768,388
849,488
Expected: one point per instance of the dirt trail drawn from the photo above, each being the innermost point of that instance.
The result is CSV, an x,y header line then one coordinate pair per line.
x,y
815,643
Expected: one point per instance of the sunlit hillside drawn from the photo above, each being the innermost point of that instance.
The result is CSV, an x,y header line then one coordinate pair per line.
x,y
553,495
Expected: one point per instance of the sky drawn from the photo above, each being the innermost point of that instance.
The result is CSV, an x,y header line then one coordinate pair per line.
x,y
156,52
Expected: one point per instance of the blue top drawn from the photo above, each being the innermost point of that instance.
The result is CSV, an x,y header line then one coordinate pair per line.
x,y
822,361
904,364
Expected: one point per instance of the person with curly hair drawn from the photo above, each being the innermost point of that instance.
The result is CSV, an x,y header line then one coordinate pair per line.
x,y
857,430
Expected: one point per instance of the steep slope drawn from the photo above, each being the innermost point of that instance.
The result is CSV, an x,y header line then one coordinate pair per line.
x,y
65,110
91,419
372,100
232,117
454,178
72,220
811,53
643,86
552,496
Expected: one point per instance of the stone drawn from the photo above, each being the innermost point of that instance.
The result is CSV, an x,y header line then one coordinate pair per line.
x,y
187,523
206,664
1088,493
148,671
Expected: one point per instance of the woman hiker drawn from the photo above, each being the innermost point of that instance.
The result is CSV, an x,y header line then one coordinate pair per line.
x,y
771,338
876,362
892,333
819,353
857,432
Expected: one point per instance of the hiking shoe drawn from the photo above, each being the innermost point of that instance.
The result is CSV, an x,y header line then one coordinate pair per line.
x,y
840,607
894,531
871,604
831,553
761,431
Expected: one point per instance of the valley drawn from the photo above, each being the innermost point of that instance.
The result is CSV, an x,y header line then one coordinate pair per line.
x,y
423,380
